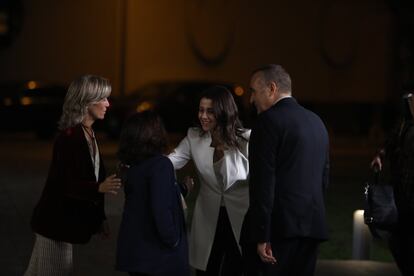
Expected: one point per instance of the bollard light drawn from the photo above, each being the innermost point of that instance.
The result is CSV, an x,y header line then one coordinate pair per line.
x,y
361,238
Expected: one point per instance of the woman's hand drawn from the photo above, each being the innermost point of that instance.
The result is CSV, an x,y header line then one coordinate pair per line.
x,y
186,186
110,185
188,183
376,163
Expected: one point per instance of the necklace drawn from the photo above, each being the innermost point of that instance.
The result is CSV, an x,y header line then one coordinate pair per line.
x,y
91,140
89,132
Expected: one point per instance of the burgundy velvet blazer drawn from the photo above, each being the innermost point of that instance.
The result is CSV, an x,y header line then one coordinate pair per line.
x,y
70,208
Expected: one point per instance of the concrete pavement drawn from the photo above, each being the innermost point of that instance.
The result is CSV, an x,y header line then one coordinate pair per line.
x,y
23,167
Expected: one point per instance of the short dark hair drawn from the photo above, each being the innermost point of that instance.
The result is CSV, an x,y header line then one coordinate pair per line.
x,y
276,73
143,136
226,113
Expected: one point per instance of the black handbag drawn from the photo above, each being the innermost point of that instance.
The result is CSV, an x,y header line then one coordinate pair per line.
x,y
380,212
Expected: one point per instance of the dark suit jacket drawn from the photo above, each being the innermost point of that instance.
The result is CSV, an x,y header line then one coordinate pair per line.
x,y
70,208
400,152
289,164
152,237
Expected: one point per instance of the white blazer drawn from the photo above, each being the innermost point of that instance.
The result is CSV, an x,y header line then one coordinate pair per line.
x,y
233,190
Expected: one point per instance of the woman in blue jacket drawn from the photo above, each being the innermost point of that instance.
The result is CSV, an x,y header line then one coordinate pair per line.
x,y
152,238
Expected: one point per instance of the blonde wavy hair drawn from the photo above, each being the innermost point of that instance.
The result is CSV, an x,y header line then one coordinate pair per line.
x,y
82,92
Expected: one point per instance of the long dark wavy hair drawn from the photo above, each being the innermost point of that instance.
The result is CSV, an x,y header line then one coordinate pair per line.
x,y
406,117
394,143
226,113
143,136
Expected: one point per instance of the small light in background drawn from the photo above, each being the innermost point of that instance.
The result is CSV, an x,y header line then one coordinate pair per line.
x,y
238,90
26,101
144,106
31,85
7,101
4,26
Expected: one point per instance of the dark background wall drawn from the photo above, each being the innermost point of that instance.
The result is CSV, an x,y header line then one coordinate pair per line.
x,y
348,58
335,50
60,40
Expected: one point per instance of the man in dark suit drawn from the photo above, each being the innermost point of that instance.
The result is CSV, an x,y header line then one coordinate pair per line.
x,y
289,165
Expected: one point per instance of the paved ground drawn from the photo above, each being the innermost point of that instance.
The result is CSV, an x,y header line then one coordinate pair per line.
x,y
23,166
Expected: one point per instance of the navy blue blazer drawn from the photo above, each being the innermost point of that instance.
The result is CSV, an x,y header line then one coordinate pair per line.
x,y
289,167
152,237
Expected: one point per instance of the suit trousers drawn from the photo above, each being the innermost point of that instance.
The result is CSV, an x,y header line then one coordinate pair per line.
x,y
294,256
401,244
252,265
146,274
225,256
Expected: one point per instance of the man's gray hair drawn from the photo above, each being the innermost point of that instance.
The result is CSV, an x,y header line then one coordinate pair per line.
x,y
277,74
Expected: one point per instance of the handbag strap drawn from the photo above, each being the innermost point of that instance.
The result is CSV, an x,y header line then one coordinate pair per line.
x,y
376,172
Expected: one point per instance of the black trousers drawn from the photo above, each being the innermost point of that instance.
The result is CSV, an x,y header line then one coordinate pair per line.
x,y
225,257
401,244
144,274
294,256
252,265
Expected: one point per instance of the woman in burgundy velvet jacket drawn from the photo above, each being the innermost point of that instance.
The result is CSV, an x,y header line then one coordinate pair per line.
x,y
71,207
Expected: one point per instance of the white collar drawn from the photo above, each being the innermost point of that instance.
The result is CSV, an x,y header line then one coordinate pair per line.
x,y
281,98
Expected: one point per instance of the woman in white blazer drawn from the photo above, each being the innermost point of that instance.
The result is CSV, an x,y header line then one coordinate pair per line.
x,y
218,148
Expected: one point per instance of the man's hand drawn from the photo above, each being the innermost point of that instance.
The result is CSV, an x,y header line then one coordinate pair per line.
x,y
265,253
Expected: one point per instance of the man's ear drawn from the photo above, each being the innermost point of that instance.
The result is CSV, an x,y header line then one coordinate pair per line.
x,y
273,89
